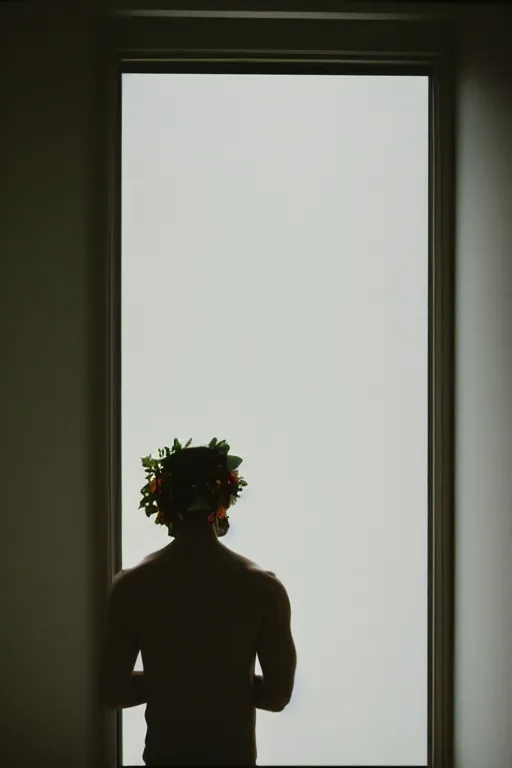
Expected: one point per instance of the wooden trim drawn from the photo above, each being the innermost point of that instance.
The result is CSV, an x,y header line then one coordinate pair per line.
x,y
312,10
113,335
159,38
442,354
102,361
362,47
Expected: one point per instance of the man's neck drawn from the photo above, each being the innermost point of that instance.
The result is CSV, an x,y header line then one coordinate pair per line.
x,y
204,539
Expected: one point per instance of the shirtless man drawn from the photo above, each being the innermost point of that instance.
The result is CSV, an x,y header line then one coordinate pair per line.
x,y
199,613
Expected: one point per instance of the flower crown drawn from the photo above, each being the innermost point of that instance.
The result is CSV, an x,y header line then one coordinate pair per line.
x,y
161,471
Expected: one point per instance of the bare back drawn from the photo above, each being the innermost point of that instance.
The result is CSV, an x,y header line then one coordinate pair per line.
x,y
198,616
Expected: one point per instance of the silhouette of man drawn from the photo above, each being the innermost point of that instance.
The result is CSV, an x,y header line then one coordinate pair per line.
x,y
199,613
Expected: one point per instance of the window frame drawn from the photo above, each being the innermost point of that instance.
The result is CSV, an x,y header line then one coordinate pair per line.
x,y
158,42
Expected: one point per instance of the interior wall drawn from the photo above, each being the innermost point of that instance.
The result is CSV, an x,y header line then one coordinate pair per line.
x,y
50,405
483,522
47,383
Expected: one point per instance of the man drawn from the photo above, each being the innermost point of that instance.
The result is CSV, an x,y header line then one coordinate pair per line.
x,y
199,613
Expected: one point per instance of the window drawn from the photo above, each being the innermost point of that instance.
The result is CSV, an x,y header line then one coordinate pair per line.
x,y
373,386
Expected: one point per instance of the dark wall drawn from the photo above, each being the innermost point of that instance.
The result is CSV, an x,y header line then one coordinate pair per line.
x,y
483,524
49,499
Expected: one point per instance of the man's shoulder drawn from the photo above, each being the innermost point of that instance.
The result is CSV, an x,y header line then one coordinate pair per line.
x,y
129,577
124,578
263,578
135,572
250,566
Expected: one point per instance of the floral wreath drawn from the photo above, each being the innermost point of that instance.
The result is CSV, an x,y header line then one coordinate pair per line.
x,y
159,475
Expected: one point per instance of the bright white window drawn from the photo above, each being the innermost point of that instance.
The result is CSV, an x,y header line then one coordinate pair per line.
x,y
275,293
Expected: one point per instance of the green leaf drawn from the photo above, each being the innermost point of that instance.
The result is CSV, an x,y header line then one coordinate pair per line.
x,y
188,443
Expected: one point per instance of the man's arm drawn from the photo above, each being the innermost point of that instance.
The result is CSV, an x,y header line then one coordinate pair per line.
x,y
276,651
131,694
122,687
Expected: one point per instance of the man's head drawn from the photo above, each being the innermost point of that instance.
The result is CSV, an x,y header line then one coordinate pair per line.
x,y
192,488
197,488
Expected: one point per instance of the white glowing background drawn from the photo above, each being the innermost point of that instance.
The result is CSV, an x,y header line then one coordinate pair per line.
x,y
275,293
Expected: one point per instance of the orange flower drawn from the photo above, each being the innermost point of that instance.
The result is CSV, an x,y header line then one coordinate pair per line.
x,y
155,485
